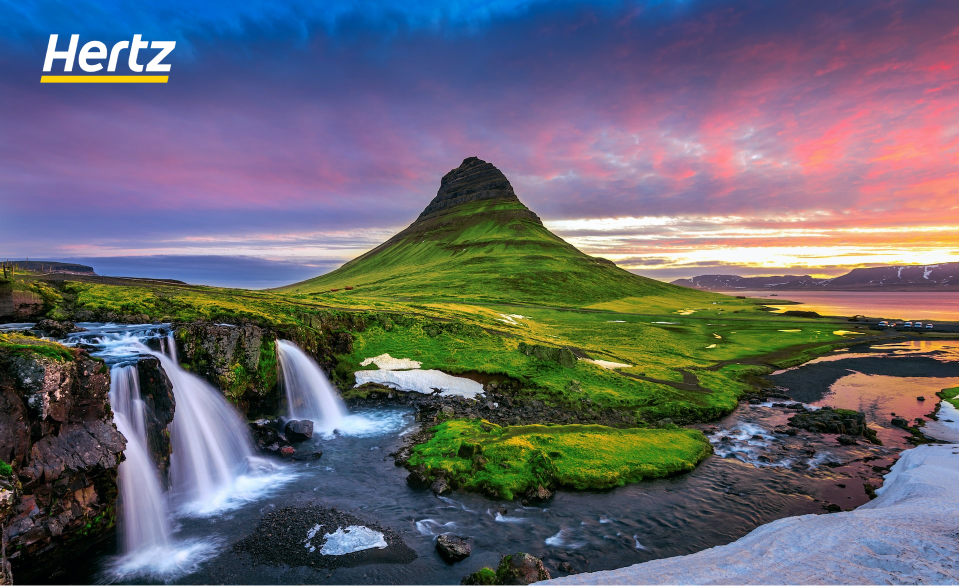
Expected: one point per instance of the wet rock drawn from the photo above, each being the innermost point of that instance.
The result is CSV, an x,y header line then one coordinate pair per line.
x,y
847,440
314,455
567,568
521,568
418,478
452,548
540,494
920,398
440,486
156,390
838,421
57,329
900,421
287,451
298,430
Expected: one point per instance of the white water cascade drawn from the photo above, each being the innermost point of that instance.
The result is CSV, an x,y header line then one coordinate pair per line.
x,y
212,447
144,523
309,394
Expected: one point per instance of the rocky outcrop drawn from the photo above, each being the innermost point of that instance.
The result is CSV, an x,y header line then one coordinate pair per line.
x,y
452,548
156,391
562,356
57,432
850,424
905,536
517,568
17,305
473,180
57,329
240,360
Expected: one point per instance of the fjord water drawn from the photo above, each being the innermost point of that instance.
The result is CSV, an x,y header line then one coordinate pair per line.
x,y
309,395
923,306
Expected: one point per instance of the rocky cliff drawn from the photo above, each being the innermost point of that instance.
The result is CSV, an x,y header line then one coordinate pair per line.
x,y
57,433
156,390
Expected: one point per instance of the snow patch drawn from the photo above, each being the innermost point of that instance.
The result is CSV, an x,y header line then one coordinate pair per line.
x,y
387,362
606,363
421,381
352,539
511,318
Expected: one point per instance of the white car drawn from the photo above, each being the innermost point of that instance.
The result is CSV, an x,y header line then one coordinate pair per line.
x,y
907,324
928,326
917,324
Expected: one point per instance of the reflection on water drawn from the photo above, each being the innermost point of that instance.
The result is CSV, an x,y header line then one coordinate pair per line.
x,y
923,306
880,396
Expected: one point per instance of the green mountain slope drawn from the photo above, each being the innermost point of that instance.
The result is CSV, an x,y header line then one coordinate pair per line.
x,y
476,241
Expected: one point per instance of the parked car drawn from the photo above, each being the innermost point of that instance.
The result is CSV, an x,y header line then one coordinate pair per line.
x,y
907,324
928,326
917,325
883,324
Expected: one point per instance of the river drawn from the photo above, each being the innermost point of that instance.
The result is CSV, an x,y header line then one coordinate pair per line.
x,y
756,476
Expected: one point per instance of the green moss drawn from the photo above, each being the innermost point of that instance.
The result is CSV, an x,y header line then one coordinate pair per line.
x,y
484,577
267,366
480,456
951,396
25,345
5,469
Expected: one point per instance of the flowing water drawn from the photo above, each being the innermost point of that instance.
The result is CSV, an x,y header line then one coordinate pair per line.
x,y
756,476
144,523
925,306
309,395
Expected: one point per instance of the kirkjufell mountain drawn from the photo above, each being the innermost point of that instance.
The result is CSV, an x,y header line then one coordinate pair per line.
x,y
477,240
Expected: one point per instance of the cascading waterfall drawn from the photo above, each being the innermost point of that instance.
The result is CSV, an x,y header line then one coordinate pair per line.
x,y
144,523
309,395
211,444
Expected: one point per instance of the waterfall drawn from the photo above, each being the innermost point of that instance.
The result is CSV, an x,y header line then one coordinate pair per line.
x,y
211,443
144,523
171,348
309,395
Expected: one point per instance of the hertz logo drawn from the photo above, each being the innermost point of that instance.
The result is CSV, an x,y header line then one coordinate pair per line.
x,y
95,51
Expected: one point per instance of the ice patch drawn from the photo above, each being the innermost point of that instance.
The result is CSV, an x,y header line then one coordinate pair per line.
x,y
711,346
421,381
616,321
387,362
667,323
606,363
352,539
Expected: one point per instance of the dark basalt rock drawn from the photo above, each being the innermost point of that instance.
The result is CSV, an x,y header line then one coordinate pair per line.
x,y
418,478
452,548
838,421
298,430
57,432
473,180
521,568
156,390
440,486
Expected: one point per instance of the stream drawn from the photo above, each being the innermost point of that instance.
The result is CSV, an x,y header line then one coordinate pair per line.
x,y
756,476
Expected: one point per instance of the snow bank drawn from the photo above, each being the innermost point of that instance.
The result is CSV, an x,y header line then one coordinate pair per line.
x,y
606,363
906,535
387,362
421,381
947,428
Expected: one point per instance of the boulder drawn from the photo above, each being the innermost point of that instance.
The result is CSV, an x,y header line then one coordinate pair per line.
x,y
540,494
418,478
314,455
521,568
298,430
440,486
452,548
287,451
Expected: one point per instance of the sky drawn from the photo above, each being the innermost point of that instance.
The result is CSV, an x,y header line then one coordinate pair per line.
x,y
675,137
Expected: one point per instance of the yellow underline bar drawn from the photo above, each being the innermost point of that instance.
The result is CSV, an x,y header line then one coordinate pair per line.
x,y
104,78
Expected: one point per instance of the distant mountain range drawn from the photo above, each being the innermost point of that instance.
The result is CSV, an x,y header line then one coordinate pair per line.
x,y
940,277
49,266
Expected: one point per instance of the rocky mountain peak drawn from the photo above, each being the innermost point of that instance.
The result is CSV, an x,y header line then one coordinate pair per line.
x,y
473,180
